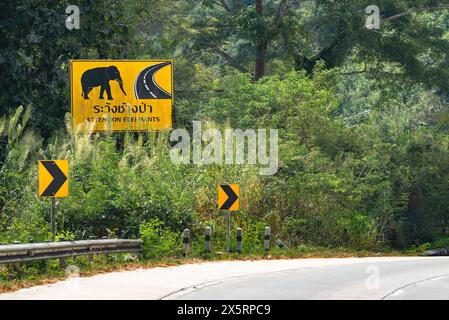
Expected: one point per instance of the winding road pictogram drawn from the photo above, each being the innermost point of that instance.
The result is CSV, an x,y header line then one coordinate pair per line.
x,y
145,86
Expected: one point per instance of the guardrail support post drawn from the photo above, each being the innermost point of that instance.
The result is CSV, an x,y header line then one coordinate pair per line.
x,y
62,262
207,245
266,238
54,207
107,255
186,241
239,238
91,256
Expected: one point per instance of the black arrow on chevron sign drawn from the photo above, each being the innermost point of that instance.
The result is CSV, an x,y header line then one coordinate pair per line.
x,y
58,178
232,197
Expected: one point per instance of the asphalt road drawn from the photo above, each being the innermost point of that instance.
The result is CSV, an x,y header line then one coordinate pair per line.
x,y
349,278
385,280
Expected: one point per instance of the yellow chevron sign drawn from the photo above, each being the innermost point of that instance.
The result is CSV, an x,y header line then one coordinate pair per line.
x,y
53,178
122,95
228,197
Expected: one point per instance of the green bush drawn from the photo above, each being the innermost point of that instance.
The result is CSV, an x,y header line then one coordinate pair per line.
x,y
158,241
441,243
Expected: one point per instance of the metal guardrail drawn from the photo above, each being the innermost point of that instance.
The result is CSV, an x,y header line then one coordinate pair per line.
x,y
17,253
437,252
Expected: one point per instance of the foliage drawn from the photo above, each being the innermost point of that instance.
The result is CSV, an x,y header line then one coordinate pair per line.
x,y
157,240
36,48
441,243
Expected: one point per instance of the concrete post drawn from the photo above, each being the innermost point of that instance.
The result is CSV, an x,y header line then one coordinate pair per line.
x,y
207,245
239,238
186,241
266,238
281,244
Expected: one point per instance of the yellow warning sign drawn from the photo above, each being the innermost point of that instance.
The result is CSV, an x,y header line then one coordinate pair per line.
x,y
122,95
228,197
53,178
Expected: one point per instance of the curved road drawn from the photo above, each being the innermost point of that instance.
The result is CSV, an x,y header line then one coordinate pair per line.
x,y
348,278
145,86
386,280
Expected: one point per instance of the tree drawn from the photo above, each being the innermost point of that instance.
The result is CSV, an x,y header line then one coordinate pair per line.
x,y
37,47
251,34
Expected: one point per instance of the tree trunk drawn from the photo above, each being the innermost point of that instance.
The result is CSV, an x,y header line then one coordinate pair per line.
x,y
260,66
261,60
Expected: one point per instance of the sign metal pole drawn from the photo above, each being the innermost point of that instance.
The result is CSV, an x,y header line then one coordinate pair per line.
x,y
229,232
53,219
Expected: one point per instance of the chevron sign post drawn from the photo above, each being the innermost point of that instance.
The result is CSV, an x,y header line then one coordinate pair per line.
x,y
228,199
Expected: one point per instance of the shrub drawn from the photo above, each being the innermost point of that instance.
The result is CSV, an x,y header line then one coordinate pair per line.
x,y
158,241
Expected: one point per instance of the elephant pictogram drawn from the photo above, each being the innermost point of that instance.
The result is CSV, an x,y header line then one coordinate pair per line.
x,y
100,77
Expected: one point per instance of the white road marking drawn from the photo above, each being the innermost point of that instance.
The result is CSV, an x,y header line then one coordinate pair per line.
x,y
145,82
438,278
397,293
